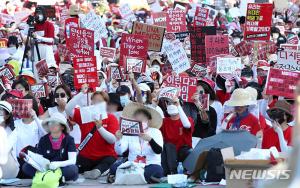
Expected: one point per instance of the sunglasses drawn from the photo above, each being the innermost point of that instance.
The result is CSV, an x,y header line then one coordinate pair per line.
x,y
59,95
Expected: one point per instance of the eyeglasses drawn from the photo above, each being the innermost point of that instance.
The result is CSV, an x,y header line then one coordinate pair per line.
x,y
59,95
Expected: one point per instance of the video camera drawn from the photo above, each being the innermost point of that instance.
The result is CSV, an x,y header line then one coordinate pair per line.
x,y
30,21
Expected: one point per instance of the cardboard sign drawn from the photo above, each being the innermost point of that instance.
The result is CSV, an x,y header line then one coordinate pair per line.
x,y
21,107
177,56
282,83
176,21
182,36
187,85
168,93
127,13
95,23
85,72
53,80
7,72
42,68
159,18
114,73
216,45
199,70
135,65
258,21
288,60
39,91
228,65
155,35
81,42
133,46
197,38
204,100
94,112
130,127
108,53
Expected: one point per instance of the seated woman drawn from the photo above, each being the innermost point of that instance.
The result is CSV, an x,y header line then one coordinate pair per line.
x,y
241,118
145,148
97,154
280,134
58,147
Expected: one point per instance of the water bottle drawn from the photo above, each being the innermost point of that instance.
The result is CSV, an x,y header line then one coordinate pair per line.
x,y
180,168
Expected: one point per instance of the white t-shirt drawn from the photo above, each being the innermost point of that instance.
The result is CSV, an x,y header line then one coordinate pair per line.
x,y
54,109
25,135
220,114
138,147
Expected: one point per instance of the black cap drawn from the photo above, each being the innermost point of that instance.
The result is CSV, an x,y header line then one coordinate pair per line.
x,y
122,90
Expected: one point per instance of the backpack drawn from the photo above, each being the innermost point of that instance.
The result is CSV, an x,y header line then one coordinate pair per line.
x,y
215,166
48,179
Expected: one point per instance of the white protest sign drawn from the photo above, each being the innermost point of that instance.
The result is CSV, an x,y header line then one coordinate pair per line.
x,y
92,113
168,93
243,6
228,65
281,5
95,23
127,13
177,56
130,127
288,60
134,64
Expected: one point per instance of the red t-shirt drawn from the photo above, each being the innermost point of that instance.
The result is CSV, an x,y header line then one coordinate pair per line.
x,y
97,147
270,138
249,123
173,132
222,96
46,28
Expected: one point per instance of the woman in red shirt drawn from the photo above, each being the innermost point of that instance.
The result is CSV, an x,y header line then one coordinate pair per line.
x,y
98,153
280,134
177,130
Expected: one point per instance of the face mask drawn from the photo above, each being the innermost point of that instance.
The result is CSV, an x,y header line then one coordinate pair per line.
x,y
145,125
12,50
144,98
124,100
40,17
156,67
1,119
172,110
62,99
275,35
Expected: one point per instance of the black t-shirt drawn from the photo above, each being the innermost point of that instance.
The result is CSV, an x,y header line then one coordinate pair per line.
x,y
45,148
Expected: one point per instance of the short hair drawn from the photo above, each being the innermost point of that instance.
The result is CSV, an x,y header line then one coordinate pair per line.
x,y
22,81
65,88
144,112
103,94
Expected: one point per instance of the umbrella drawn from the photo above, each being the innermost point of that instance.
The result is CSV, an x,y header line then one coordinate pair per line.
x,y
240,140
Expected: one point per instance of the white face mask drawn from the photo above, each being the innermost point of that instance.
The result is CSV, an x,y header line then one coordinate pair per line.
x,y
1,119
12,50
40,17
275,35
172,110
145,125
156,67
236,41
62,99
124,100
144,98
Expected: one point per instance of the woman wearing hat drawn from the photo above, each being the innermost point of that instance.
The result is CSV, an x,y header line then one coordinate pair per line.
x,y
6,121
241,118
145,148
58,147
280,133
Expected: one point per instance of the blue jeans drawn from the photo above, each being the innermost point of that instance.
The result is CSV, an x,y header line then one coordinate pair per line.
x,y
69,172
151,170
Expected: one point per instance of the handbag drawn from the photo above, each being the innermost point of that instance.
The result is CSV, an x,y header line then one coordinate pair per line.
x,y
130,173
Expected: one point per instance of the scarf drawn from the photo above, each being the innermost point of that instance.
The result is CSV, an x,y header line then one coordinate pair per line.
x,y
237,122
56,143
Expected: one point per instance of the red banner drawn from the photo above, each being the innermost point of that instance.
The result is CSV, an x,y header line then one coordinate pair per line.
x,y
81,42
176,21
133,46
282,83
21,107
216,45
258,21
70,22
187,85
85,72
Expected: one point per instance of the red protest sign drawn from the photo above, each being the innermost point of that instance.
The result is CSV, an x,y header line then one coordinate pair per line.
x,y
81,42
204,100
187,85
282,83
243,48
199,70
159,18
108,53
216,45
85,72
176,21
7,72
42,68
70,22
201,16
39,91
21,107
293,40
133,46
258,21
168,93
155,35
131,127
135,65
